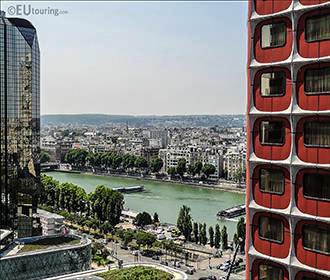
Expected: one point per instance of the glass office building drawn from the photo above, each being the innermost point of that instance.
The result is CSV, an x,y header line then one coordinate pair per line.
x,y
20,124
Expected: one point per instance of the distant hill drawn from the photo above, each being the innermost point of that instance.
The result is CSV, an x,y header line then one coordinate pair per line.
x,y
179,121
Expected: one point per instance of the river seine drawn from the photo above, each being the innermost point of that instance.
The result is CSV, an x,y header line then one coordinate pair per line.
x,y
164,198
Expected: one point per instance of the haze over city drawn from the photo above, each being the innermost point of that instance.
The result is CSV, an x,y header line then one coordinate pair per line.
x,y
142,58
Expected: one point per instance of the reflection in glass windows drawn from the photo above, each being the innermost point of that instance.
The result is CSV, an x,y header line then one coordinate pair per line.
x,y
317,238
317,28
317,133
271,229
269,272
316,186
273,84
317,81
20,123
273,35
271,181
271,133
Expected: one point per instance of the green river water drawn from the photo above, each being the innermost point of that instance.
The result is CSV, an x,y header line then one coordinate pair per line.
x,y
164,198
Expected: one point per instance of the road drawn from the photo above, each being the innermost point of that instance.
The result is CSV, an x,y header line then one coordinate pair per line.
x,y
203,266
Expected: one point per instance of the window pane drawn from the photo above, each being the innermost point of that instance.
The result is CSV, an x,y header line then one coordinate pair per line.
x,y
271,132
273,35
273,84
316,186
317,80
271,181
268,272
271,229
318,28
317,238
317,133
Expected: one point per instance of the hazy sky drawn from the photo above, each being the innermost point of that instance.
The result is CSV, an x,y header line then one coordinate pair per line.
x,y
142,58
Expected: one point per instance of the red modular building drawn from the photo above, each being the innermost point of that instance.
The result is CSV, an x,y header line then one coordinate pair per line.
x,y
288,121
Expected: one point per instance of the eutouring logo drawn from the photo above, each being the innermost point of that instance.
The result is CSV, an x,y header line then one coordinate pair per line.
x,y
28,10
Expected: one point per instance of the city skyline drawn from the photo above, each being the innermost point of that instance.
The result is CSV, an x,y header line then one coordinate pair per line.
x,y
142,58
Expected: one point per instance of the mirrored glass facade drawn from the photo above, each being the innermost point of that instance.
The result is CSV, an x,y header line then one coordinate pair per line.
x,y
20,124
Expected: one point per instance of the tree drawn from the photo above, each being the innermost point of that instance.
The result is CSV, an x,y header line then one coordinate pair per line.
x,y
184,222
235,239
106,204
211,236
241,233
44,157
143,219
156,165
224,238
145,238
127,237
198,167
208,169
204,239
141,162
195,231
217,238
156,218
181,167
171,171
191,169
200,228
76,157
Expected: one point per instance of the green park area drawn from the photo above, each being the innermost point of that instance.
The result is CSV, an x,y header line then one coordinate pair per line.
x,y
48,242
136,273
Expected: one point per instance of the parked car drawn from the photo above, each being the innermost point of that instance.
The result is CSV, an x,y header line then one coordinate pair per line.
x,y
161,236
225,266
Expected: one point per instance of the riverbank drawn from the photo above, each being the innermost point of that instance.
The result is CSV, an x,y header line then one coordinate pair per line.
x,y
165,198
223,186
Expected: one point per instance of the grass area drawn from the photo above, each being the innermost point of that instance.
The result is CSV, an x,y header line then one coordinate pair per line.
x,y
136,273
48,242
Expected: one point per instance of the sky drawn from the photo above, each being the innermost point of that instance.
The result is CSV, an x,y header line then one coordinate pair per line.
x,y
141,58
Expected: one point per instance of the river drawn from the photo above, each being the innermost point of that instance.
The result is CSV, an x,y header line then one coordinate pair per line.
x,y
164,198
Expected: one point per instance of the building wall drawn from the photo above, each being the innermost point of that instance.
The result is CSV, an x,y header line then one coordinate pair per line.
x,y
47,263
293,157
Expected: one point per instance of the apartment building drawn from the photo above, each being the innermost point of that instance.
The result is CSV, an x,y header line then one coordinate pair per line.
x,y
288,123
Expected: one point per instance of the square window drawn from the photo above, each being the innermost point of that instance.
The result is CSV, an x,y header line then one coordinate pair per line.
x,y
273,35
273,84
271,133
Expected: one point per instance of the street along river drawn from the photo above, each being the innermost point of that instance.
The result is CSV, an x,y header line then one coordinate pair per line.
x,y
165,198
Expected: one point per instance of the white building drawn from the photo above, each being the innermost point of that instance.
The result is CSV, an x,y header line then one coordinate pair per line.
x,y
234,161
51,223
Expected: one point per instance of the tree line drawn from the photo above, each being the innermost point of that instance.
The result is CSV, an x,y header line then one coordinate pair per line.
x,y
80,158
197,232
111,160
100,208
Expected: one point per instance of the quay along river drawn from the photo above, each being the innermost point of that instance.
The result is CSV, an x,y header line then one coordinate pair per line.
x,y
165,198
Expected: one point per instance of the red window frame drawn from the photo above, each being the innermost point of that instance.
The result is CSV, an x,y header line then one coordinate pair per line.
x,y
257,262
272,152
312,49
308,257
312,2
276,54
268,247
271,200
311,102
301,274
311,154
272,103
267,7
308,205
